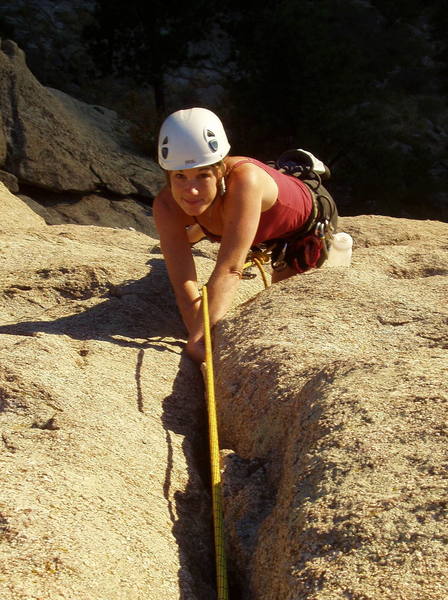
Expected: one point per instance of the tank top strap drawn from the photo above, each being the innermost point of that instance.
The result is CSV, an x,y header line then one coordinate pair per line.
x,y
238,163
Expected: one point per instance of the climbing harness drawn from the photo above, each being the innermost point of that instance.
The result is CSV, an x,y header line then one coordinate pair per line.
x,y
218,520
308,247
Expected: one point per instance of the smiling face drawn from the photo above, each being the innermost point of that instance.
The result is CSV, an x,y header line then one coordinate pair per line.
x,y
194,190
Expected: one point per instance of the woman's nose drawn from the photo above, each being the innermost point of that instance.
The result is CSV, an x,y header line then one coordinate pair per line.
x,y
192,188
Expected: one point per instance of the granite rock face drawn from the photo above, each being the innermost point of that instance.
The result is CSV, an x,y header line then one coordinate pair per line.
x,y
332,397
103,449
332,401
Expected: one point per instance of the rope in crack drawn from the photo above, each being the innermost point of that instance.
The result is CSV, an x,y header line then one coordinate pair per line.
x,y
222,588
218,519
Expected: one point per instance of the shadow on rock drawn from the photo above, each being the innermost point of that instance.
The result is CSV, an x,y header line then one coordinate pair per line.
x,y
138,310
185,414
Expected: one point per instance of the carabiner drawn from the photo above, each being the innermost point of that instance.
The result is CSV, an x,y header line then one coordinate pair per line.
x,y
322,228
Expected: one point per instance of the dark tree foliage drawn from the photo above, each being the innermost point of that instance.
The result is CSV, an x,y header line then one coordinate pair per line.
x,y
357,82
439,27
144,39
361,83
6,30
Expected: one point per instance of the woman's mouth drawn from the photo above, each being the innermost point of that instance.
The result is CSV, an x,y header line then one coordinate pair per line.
x,y
192,201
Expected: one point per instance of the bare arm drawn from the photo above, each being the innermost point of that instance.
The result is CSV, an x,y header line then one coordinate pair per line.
x,y
171,222
241,215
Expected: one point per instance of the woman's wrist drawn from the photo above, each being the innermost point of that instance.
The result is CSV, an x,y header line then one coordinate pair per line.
x,y
196,349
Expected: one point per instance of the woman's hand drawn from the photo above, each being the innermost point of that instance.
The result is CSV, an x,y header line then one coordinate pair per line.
x,y
196,349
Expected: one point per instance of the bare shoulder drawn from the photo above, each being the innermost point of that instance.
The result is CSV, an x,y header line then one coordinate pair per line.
x,y
247,178
246,168
240,164
241,169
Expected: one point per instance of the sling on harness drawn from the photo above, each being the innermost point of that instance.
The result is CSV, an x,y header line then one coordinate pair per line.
x,y
307,247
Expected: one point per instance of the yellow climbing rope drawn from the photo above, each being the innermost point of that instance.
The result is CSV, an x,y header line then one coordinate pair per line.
x,y
258,258
257,261
218,519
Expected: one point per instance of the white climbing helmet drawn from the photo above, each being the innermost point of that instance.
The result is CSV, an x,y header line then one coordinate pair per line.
x,y
192,138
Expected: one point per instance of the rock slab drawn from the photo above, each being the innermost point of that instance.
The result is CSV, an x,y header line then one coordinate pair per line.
x,y
103,449
332,402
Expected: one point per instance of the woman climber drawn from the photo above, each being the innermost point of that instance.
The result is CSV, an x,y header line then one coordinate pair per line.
x,y
238,201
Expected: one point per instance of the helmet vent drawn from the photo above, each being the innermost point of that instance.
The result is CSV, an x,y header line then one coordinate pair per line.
x,y
211,138
164,149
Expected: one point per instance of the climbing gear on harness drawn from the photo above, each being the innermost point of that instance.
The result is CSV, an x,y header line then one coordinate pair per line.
x,y
191,138
278,259
301,164
308,247
218,518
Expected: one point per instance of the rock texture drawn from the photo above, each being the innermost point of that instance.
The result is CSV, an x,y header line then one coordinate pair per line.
x,y
57,143
333,400
103,463
52,34
16,214
2,145
93,209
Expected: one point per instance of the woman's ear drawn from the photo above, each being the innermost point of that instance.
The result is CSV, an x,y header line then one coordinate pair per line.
x,y
222,186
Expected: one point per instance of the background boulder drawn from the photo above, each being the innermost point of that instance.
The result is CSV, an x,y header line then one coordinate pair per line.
x,y
60,144
2,145
93,209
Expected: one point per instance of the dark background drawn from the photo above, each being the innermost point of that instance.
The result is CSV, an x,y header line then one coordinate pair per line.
x,y
362,84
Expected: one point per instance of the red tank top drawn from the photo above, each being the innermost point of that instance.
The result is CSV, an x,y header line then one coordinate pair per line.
x,y
290,211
